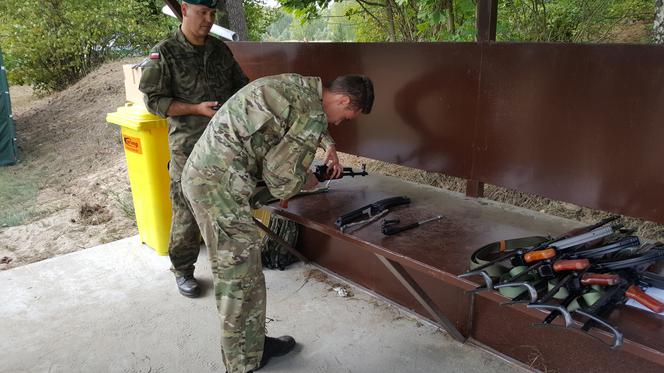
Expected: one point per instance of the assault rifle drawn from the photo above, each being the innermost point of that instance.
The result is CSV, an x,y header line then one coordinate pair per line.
x,y
622,279
369,213
322,172
589,273
533,255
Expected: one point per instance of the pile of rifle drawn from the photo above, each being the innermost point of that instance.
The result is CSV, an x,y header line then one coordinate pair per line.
x,y
588,272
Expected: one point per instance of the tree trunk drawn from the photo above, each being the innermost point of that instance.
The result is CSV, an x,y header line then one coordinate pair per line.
x,y
389,12
658,30
237,20
450,17
222,15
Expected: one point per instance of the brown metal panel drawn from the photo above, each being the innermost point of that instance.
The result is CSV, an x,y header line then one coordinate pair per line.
x,y
640,326
426,96
349,261
578,123
510,331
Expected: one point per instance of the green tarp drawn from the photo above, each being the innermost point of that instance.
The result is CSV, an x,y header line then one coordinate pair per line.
x,y
7,128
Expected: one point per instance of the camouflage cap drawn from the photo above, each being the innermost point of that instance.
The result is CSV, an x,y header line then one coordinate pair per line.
x,y
207,3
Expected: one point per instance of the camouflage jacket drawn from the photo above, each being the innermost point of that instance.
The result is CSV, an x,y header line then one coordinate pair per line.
x,y
179,70
268,130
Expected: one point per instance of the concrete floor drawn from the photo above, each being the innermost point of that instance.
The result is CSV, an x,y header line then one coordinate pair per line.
x,y
115,308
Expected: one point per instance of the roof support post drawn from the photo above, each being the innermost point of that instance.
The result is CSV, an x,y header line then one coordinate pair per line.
x,y
487,13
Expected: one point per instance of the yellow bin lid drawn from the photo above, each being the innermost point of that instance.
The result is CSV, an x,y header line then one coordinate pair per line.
x,y
136,117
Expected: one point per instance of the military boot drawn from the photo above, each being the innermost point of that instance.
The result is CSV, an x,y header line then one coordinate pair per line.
x,y
275,347
188,286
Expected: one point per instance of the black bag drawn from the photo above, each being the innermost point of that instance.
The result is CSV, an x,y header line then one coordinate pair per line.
x,y
275,256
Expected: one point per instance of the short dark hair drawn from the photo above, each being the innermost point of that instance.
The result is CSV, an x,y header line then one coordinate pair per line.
x,y
358,88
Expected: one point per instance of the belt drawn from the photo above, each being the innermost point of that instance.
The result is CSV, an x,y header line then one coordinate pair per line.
x,y
493,251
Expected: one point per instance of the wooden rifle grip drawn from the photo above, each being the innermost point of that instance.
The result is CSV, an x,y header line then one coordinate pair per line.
x,y
571,265
600,279
634,292
538,255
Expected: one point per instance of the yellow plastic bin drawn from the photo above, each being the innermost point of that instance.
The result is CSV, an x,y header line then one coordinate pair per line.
x,y
145,139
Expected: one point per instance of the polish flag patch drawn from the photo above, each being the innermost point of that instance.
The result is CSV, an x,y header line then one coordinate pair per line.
x,y
154,55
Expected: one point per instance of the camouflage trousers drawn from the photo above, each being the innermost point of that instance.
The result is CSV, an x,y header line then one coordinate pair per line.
x,y
220,204
184,242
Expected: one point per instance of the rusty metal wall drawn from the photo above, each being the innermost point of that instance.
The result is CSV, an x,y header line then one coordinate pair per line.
x,y
425,96
579,123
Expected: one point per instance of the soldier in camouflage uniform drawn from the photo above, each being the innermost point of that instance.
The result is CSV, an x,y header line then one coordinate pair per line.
x,y
268,131
186,77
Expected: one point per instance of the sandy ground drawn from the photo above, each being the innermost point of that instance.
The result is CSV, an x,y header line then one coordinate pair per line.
x,y
70,190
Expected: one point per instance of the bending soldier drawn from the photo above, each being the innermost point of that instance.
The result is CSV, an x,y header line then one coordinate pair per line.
x,y
269,130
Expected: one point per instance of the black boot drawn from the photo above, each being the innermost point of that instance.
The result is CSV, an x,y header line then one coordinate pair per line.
x,y
188,286
276,347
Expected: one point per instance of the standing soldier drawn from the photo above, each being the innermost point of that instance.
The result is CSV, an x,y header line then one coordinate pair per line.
x,y
186,78
269,130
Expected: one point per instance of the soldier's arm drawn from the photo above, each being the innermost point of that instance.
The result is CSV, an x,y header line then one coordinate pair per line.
x,y
326,141
331,159
205,109
156,84
286,165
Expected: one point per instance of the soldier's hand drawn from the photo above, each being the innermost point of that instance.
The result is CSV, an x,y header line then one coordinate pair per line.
x,y
207,108
311,181
331,160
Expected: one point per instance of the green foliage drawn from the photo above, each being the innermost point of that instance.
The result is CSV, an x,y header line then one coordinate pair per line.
x,y
331,25
571,21
518,20
53,43
279,28
411,20
259,18
306,10
342,28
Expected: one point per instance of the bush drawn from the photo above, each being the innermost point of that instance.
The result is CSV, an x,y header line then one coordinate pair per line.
x,y
52,43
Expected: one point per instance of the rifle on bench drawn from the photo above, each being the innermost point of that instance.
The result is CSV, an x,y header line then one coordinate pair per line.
x,y
622,279
590,274
532,255
369,213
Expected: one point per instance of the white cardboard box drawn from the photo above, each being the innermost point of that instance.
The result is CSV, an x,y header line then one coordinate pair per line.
x,y
132,77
